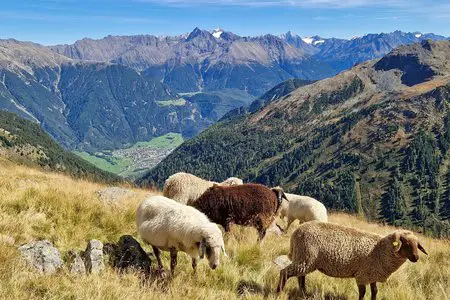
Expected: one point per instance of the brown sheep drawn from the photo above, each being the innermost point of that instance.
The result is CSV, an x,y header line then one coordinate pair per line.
x,y
344,252
248,204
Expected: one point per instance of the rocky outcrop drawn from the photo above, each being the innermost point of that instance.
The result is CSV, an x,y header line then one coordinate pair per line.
x,y
128,254
113,194
43,256
93,257
75,263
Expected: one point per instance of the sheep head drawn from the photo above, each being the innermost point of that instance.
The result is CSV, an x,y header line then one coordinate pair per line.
x,y
280,194
407,245
212,252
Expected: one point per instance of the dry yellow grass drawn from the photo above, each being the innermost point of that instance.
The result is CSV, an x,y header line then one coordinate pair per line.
x,y
37,205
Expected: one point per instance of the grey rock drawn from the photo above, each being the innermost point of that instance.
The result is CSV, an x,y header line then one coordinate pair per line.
x,y
76,263
93,257
43,256
282,261
274,229
113,194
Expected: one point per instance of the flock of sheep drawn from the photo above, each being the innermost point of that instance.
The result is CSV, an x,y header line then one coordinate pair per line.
x,y
186,217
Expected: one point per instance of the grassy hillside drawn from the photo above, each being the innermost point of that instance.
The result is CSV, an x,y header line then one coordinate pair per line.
x,y
38,205
25,142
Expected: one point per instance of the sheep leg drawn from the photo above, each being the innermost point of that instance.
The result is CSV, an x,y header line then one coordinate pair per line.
x,y
285,274
226,226
173,260
194,265
373,290
261,235
158,257
362,291
302,284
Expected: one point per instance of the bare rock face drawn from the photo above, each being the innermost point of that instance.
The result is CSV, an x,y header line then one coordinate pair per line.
x,y
93,257
75,263
43,256
282,261
113,194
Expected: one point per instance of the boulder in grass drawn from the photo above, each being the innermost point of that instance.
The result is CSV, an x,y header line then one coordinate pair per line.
x,y
112,195
128,254
93,257
282,261
43,256
75,263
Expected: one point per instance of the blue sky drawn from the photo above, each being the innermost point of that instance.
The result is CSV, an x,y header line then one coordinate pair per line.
x,y
64,21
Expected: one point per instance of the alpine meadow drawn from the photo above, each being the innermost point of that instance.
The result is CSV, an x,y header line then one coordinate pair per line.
x,y
217,149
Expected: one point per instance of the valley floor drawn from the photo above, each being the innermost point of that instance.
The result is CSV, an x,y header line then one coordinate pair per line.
x,y
40,205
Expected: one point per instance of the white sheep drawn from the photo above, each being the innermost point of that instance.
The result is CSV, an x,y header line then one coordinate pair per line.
x,y
345,252
302,208
186,188
171,226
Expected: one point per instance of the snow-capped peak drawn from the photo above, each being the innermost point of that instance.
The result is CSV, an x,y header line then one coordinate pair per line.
x,y
217,33
418,35
318,42
308,40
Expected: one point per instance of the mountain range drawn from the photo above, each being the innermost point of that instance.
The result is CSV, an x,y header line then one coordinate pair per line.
x,y
105,94
372,140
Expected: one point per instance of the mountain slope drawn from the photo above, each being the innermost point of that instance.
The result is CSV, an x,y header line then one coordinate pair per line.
x,y
88,105
25,142
362,141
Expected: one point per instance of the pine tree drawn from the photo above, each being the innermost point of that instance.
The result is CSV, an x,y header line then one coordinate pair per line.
x,y
393,207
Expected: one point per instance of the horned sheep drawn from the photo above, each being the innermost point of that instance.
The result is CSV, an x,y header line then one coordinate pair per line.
x,y
247,204
185,187
302,208
344,252
171,226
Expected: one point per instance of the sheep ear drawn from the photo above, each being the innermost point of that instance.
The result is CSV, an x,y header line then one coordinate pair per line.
x,y
421,248
397,243
202,248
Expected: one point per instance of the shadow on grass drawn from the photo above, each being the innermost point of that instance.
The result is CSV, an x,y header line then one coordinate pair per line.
x,y
252,287
297,294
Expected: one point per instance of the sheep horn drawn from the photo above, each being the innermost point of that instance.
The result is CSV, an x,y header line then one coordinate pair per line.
x,y
421,248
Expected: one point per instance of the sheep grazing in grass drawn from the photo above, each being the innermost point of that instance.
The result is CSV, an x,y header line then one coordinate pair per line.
x,y
247,204
185,187
302,208
344,252
171,226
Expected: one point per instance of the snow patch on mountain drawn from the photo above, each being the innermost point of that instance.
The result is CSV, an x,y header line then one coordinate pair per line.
x,y
308,40
217,33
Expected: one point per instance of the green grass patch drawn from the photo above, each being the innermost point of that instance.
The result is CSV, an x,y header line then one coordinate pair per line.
x,y
173,102
104,162
169,140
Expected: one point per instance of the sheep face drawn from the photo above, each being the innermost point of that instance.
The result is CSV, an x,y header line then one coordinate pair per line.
x,y
212,253
407,245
